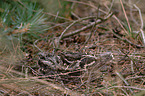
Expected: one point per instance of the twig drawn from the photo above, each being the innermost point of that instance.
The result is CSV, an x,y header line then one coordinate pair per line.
x,y
86,27
141,28
111,6
37,46
132,69
131,11
143,36
88,38
80,30
125,40
2,68
136,77
141,20
55,86
56,25
122,78
132,87
125,15
66,29
91,5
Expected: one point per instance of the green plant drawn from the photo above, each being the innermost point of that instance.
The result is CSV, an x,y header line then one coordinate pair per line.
x,y
22,21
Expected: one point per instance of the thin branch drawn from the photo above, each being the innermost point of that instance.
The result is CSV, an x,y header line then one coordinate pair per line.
x,y
141,20
131,13
125,15
88,37
141,28
62,36
56,86
86,27
132,87
111,6
125,40
37,46
122,78
67,28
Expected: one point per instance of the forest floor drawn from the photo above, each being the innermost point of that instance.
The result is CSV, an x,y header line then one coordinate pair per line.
x,y
121,73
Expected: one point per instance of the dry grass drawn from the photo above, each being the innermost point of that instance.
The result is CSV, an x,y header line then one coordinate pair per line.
x,y
123,75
